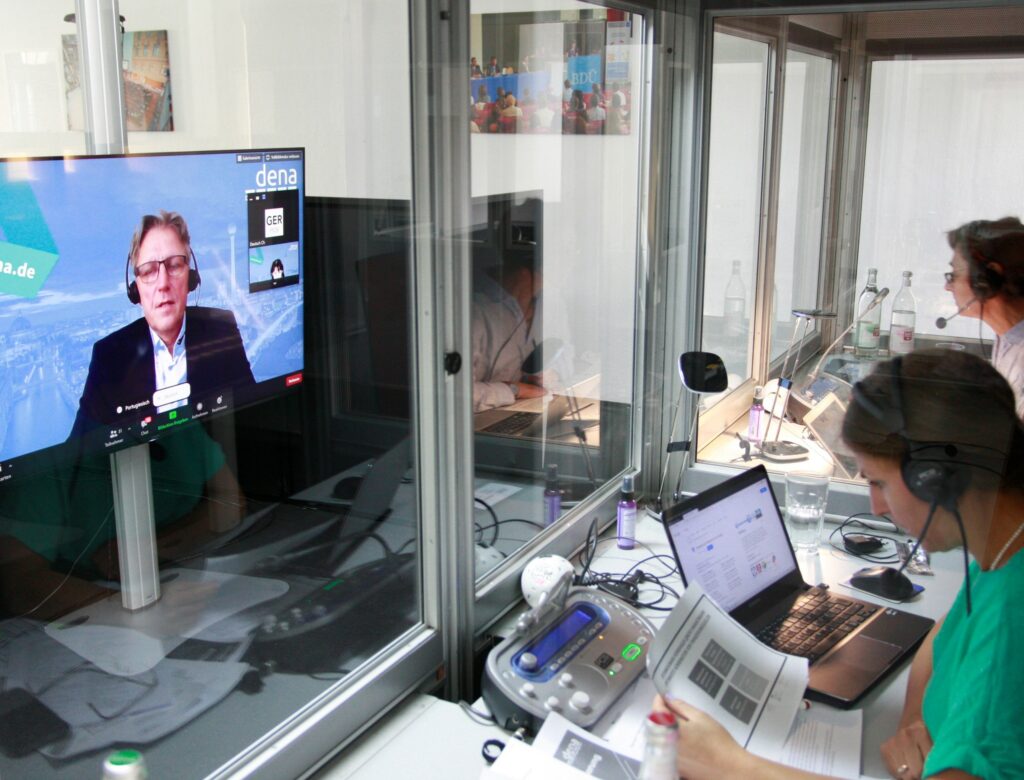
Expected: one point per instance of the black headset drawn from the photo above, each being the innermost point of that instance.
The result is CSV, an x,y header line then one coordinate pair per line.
x,y
132,287
985,280
937,472
999,238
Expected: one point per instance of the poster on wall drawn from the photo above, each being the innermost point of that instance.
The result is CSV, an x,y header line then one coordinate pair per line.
x,y
146,68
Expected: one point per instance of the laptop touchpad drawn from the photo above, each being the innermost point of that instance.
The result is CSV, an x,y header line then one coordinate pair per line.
x,y
863,652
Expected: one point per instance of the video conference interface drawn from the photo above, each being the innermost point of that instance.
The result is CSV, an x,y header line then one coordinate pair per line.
x,y
96,356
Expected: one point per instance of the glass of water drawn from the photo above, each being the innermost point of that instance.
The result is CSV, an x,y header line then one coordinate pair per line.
x,y
806,496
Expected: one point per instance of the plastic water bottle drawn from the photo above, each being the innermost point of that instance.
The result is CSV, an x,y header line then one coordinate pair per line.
x,y
661,737
625,515
735,304
125,765
866,333
904,317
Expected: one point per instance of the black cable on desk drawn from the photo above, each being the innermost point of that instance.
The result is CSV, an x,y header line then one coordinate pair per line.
x,y
848,546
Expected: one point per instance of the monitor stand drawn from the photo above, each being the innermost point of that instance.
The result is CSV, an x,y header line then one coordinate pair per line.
x,y
136,527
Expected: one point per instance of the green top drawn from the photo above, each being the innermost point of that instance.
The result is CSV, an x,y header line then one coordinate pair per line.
x,y
66,513
974,704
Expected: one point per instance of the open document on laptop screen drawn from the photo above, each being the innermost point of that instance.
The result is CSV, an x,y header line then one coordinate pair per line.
x,y
735,546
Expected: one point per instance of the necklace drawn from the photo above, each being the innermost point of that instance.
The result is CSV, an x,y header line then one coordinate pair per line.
x,y
1006,546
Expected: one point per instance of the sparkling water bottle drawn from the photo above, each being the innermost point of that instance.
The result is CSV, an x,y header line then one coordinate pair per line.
x,y
865,335
904,316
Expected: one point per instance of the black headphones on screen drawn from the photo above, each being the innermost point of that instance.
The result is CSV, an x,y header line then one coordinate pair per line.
x,y
132,287
936,472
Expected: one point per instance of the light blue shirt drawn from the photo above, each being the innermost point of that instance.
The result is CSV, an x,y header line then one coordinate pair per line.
x,y
1008,359
170,369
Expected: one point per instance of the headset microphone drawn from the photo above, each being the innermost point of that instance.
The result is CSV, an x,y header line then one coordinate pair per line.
x,y
941,322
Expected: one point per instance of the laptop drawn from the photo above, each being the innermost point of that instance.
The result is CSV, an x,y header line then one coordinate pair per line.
x,y
528,424
731,539
825,422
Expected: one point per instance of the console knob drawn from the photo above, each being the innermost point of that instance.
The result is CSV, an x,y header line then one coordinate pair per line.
x,y
553,703
528,661
528,690
580,701
565,680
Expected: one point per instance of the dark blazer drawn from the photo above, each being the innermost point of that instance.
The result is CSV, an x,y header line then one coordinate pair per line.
x,y
122,372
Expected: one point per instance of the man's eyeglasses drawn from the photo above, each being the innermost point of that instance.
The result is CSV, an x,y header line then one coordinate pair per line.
x,y
175,265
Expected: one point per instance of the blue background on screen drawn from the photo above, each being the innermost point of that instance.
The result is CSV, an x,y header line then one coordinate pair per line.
x,y
91,207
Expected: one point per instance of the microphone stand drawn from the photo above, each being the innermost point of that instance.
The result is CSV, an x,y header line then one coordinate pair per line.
x,y
786,450
876,301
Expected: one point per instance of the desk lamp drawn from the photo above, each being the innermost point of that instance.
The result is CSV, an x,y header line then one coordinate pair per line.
x,y
783,451
700,372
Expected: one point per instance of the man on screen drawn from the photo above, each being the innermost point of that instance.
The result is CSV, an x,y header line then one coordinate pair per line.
x,y
171,344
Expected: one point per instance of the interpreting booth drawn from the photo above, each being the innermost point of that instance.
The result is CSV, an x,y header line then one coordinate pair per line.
x,y
339,412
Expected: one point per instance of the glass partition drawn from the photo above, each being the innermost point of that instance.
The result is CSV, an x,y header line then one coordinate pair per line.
x,y
557,135
244,348
838,142
739,95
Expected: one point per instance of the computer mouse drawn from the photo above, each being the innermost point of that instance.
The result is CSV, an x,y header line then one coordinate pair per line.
x,y
347,487
883,581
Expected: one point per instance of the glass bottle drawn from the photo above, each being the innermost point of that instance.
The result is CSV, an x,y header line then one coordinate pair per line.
x,y
754,422
865,335
661,737
735,304
904,316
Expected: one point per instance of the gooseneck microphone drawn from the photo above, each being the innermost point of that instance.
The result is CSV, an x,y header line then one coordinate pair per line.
x,y
941,322
875,303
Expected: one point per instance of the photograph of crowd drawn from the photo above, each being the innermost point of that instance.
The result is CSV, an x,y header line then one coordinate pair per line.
x,y
567,79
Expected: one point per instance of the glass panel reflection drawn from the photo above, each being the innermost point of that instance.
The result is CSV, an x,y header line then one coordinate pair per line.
x,y
556,178
735,159
285,530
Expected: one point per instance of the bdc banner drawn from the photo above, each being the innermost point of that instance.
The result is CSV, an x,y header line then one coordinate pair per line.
x,y
584,71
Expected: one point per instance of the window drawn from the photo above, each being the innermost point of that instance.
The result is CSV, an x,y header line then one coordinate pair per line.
x,y
555,248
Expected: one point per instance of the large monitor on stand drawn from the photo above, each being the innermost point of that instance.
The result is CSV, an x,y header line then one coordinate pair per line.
x,y
139,294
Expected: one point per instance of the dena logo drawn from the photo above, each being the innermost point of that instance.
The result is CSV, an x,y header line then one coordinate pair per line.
x,y
276,177
23,269
273,223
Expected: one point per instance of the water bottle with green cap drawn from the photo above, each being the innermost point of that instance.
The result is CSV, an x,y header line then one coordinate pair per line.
x,y
125,764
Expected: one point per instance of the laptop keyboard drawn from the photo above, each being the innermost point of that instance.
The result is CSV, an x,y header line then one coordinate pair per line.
x,y
816,622
514,423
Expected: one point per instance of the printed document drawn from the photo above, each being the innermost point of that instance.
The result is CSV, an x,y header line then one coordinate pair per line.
x,y
704,657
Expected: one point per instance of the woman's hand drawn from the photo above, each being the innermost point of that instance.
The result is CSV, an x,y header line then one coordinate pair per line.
x,y
905,752
706,749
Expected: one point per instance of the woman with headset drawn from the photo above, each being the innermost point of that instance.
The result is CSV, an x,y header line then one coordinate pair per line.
x,y
936,436
987,282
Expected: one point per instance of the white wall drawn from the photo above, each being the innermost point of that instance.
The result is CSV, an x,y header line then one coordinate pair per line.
x,y
334,77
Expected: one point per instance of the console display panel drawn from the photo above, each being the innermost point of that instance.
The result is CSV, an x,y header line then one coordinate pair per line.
x,y
116,326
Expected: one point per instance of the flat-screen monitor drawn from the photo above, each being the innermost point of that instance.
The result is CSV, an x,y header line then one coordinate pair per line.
x,y
142,292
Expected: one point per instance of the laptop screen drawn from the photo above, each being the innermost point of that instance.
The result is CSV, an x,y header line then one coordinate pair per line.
x,y
731,539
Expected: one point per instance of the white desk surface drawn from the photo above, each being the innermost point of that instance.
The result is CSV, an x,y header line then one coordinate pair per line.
x,y
406,743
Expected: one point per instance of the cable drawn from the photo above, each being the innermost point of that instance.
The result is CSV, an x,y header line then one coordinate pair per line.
x,y
626,585
887,557
71,568
494,517
479,717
